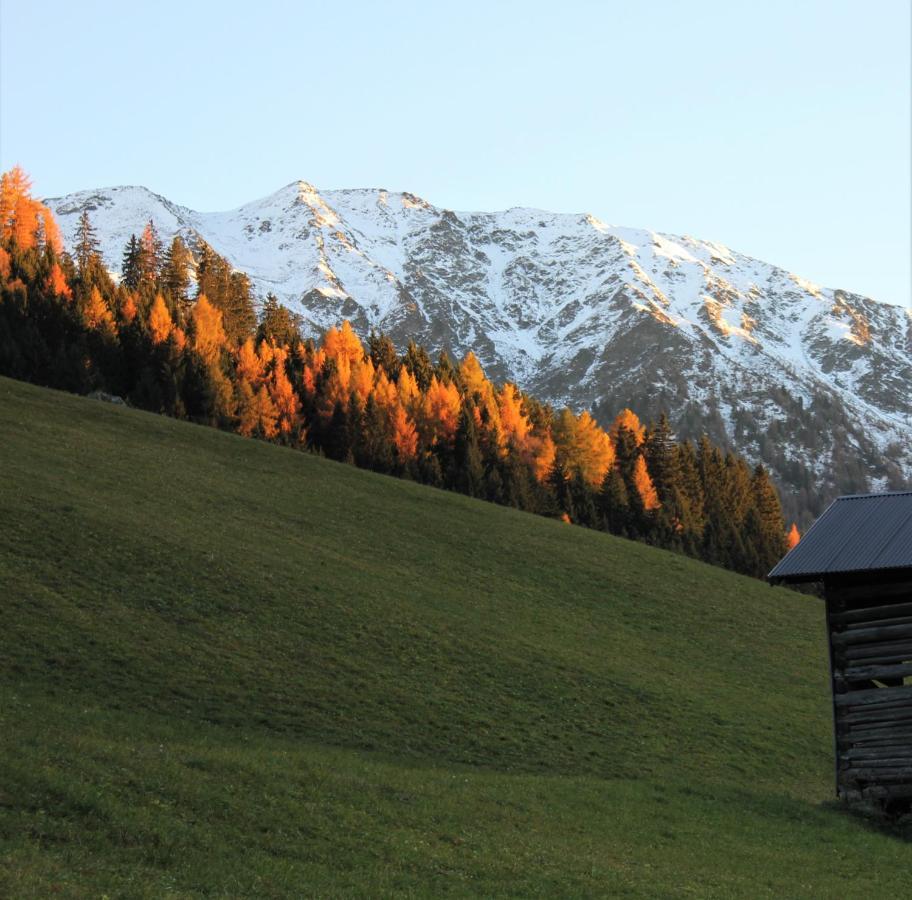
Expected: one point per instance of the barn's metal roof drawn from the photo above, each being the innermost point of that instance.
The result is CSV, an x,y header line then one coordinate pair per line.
x,y
858,533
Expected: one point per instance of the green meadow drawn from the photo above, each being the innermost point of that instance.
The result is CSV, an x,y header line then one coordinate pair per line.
x,y
228,669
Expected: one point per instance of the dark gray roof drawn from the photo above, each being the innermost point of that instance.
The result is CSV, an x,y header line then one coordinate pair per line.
x,y
858,533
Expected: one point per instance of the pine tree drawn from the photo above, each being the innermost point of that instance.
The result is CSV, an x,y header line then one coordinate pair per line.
x,y
419,365
583,501
278,324
228,291
721,533
769,536
627,452
445,370
337,436
383,353
239,309
614,505
662,459
663,462
374,449
737,491
175,272
469,474
559,484
150,256
86,246
691,512
131,264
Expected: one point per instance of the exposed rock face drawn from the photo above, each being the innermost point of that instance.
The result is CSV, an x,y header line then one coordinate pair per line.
x,y
815,383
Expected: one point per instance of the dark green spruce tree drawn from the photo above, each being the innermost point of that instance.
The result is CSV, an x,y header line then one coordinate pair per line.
x,y
383,354
278,324
227,290
131,264
175,273
417,361
469,474
86,246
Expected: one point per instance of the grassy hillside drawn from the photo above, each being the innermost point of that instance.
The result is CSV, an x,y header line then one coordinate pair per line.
x,y
231,669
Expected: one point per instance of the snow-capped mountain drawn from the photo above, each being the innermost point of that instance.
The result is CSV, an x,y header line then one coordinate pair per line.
x,y
814,382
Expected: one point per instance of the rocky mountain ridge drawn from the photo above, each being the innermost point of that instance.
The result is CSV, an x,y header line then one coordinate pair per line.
x,y
816,383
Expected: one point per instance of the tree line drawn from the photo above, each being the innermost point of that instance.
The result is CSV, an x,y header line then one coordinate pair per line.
x,y
178,334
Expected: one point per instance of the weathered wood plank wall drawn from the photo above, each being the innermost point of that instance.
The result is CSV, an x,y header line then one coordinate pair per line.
x,y
871,658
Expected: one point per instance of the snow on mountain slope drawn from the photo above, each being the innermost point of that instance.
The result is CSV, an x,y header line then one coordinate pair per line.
x,y
814,382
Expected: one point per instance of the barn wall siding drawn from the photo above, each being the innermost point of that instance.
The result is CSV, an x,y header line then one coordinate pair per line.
x,y
869,622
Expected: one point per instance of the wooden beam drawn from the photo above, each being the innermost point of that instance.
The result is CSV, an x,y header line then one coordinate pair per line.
x,y
876,654
899,696
872,715
866,613
868,635
867,673
885,756
881,737
869,773
887,792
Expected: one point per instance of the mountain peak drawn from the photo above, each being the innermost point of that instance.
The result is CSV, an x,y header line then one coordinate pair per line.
x,y
305,188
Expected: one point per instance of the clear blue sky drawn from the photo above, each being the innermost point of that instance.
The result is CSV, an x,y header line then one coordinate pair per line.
x,y
779,128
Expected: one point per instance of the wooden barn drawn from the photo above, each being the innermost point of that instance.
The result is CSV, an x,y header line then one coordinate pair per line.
x,y
861,551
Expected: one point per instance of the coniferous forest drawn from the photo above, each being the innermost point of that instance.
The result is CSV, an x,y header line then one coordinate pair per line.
x,y
178,334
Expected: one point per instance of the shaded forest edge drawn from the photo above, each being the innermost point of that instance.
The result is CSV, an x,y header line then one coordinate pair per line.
x,y
179,335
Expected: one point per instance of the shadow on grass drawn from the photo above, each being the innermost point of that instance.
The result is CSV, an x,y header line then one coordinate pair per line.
x,y
895,823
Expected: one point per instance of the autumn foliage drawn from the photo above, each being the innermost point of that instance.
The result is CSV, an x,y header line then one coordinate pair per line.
x,y
442,423
793,537
159,320
23,220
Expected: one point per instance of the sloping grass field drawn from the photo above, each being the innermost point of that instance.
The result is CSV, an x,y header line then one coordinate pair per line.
x,y
230,669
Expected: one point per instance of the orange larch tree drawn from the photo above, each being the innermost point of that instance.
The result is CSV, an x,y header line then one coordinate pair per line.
x,y
544,452
22,218
160,324
644,486
343,343
57,283
14,185
208,334
513,420
407,387
128,308
249,365
628,419
439,413
582,447
96,314
405,435
793,537
257,412
284,399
